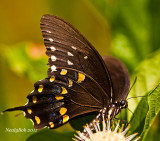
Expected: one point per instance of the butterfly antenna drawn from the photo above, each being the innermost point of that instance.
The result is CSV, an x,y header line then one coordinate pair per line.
x,y
135,97
132,115
133,84
153,89
130,111
146,95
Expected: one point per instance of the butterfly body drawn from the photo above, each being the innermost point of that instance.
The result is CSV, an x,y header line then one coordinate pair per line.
x,y
79,81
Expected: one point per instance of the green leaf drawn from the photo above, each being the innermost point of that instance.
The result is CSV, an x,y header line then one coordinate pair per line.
x,y
146,112
148,77
49,135
138,118
154,109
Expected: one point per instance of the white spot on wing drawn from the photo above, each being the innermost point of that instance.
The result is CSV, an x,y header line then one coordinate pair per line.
x,y
69,62
53,58
50,39
53,68
48,31
70,54
74,47
86,57
53,48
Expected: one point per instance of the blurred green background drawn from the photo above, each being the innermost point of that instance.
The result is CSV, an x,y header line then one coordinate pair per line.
x,y
128,30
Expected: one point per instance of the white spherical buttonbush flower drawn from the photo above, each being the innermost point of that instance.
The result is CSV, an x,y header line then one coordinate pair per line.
x,y
109,132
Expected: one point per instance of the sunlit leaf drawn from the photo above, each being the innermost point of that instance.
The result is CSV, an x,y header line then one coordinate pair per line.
x,y
148,77
138,118
145,113
154,109
147,84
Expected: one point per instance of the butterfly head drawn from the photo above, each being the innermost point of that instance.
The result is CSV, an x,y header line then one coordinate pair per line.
x,y
123,104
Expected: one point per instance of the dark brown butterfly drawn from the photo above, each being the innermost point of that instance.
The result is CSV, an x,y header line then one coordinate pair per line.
x,y
79,81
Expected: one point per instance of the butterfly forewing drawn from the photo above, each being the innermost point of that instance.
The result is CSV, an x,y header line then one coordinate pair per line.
x,y
67,48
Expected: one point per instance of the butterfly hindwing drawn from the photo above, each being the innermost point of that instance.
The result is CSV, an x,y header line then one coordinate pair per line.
x,y
55,101
120,78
